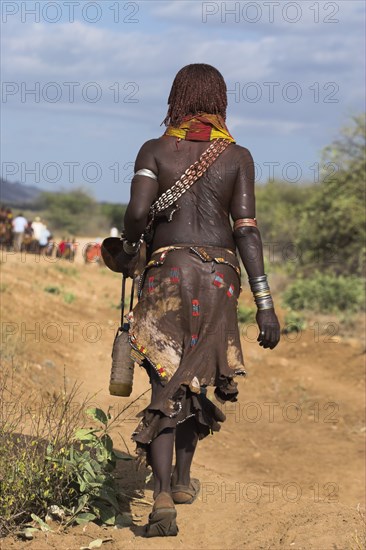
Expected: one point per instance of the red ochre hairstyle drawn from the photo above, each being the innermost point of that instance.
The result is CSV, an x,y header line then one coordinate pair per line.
x,y
197,88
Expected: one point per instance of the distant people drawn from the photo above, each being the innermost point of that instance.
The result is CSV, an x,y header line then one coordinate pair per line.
x,y
2,226
43,239
74,248
61,248
19,225
9,229
37,227
28,244
114,232
67,249
92,253
50,246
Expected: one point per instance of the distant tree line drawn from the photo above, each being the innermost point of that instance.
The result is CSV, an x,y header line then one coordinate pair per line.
x,y
325,221
78,213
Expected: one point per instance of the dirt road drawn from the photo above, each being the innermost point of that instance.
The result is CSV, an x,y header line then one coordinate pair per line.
x,y
285,471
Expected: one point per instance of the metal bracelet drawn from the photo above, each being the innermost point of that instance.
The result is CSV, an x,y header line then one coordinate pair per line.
x,y
265,306
253,280
264,301
258,284
261,292
131,248
258,287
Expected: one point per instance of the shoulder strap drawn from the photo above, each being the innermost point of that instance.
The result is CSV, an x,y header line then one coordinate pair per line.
x,y
123,295
190,176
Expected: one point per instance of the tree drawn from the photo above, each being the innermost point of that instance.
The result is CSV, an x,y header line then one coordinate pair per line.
x,y
114,213
331,232
69,211
278,208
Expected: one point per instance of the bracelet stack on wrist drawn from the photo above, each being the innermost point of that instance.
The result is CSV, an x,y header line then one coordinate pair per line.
x,y
261,292
131,248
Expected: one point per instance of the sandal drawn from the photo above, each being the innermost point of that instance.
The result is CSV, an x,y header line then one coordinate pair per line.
x,y
162,520
186,494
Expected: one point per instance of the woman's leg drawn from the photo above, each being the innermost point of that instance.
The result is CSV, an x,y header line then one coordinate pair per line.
x,y
161,458
162,519
160,450
186,439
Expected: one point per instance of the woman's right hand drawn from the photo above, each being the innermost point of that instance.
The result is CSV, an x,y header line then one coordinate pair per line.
x,y
128,263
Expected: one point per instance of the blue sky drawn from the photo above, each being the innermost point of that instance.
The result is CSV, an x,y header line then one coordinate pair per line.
x,y
101,74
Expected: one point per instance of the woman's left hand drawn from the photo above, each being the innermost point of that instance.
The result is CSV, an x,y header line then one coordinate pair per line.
x,y
269,328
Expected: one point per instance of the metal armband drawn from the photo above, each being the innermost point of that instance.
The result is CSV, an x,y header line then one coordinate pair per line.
x,y
146,172
244,222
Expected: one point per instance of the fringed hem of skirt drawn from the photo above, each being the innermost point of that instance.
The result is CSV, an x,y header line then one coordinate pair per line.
x,y
153,422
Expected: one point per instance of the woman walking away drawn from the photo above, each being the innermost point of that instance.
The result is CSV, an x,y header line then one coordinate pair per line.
x,y
184,328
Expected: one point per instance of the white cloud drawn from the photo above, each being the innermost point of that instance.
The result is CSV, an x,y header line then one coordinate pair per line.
x,y
273,17
275,126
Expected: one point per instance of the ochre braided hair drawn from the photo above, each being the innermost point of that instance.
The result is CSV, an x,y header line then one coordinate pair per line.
x,y
197,88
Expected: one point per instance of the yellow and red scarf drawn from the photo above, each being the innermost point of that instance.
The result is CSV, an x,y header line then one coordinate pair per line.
x,y
201,127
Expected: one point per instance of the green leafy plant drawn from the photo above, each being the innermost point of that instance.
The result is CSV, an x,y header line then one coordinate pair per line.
x,y
52,289
55,453
325,293
90,460
294,322
246,314
69,271
69,297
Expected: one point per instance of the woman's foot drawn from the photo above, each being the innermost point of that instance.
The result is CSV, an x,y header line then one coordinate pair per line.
x,y
162,520
184,493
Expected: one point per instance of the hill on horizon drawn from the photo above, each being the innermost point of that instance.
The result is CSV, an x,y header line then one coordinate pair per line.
x,y
18,194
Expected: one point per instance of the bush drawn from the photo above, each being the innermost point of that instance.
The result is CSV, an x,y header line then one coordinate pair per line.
x,y
293,323
325,293
69,297
68,271
51,459
52,289
246,314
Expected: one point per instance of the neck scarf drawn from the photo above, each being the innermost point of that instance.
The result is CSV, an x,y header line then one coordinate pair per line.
x,y
200,127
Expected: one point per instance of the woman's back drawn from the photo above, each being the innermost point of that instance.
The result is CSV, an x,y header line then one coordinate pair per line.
x,y
203,215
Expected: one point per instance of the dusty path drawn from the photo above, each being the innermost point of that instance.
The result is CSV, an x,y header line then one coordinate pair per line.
x,y
287,468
